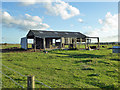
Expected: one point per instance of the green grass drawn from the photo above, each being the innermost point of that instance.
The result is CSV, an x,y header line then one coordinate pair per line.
x,y
8,46
63,68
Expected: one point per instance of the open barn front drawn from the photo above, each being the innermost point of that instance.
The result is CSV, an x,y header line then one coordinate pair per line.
x,y
46,43
47,40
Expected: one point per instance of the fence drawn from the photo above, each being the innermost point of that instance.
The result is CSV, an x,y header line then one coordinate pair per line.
x,y
30,79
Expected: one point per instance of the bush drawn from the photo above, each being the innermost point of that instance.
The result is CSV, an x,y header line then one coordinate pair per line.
x,y
5,44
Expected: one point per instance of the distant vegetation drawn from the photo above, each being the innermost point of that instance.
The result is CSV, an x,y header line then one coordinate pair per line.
x,y
63,68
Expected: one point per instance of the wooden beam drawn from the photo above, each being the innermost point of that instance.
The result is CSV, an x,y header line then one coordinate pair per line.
x,y
50,43
81,40
35,44
98,43
92,37
44,45
75,42
27,43
90,40
85,44
55,42
79,43
61,42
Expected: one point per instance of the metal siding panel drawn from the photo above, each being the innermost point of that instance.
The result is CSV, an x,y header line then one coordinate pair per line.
x,y
24,43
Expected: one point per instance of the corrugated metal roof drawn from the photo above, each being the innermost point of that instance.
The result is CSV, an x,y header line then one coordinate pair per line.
x,y
42,33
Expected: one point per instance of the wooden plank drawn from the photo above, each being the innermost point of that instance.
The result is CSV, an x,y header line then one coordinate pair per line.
x,y
98,43
35,44
44,43
61,43
27,44
79,43
85,44
75,42
30,82
92,37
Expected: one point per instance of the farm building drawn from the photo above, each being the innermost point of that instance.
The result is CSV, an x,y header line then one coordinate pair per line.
x,y
44,39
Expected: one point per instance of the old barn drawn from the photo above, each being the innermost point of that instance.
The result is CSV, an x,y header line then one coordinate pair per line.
x,y
47,39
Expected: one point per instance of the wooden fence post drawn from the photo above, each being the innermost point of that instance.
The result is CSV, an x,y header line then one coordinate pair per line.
x,y
30,82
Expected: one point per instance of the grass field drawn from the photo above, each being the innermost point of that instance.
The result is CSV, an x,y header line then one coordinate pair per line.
x,y
63,68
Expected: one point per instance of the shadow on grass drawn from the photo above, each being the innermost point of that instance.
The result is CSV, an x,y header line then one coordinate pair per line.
x,y
83,61
103,62
103,86
87,69
96,82
12,50
72,55
115,59
20,79
110,71
15,49
93,75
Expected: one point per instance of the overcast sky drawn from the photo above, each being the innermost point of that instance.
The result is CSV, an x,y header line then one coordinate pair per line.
x,y
90,18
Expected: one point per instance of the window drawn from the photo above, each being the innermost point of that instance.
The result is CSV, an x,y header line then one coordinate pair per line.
x,y
41,32
56,32
76,33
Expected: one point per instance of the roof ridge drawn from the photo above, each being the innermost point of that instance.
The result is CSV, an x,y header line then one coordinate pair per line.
x,y
55,31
